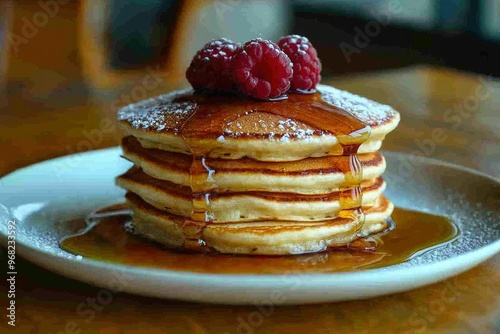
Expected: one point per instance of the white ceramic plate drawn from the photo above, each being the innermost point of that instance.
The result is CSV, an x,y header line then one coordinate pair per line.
x,y
41,197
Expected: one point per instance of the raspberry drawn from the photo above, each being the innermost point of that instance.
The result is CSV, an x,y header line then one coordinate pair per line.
x,y
306,64
209,68
260,69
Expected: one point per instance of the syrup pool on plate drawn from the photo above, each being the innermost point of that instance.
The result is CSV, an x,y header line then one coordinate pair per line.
x,y
107,236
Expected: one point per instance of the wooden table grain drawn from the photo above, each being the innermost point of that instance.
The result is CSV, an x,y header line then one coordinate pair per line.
x,y
48,111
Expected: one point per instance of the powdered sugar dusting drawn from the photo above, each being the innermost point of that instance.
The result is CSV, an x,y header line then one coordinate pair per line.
x,y
268,126
160,113
367,111
167,113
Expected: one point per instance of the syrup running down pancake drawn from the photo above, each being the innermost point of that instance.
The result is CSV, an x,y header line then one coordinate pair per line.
x,y
258,237
236,175
307,176
246,205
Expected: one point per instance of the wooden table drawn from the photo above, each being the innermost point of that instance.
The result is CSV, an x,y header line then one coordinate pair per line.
x,y
49,109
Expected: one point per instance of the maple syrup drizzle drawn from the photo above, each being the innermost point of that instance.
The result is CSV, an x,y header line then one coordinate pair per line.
x,y
413,234
316,165
212,115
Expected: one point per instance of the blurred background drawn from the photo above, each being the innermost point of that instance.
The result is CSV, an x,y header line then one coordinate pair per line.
x,y
104,41
459,33
65,65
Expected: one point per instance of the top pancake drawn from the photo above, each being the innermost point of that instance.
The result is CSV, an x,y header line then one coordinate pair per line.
x,y
233,127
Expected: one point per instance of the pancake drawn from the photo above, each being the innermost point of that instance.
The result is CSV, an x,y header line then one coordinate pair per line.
x,y
245,206
264,237
234,127
320,175
232,174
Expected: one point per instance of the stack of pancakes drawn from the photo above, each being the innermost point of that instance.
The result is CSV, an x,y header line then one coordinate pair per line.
x,y
236,175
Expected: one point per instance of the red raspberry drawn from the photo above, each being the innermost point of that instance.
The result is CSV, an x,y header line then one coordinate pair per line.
x,y
209,68
260,69
306,64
